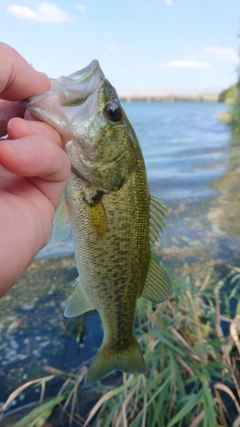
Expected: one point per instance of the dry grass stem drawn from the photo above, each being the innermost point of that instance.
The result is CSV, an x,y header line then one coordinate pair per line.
x,y
205,283
21,388
186,366
180,338
72,395
221,405
195,314
196,422
234,331
236,422
227,390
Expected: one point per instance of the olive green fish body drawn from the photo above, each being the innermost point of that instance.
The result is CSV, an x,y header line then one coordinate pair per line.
x,y
114,219
113,269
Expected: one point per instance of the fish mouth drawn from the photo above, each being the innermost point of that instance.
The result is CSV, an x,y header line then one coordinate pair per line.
x,y
82,75
69,91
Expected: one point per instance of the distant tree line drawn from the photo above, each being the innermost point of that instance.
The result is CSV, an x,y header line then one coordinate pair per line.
x,y
231,96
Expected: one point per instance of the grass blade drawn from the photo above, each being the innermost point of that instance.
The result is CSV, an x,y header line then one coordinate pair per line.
x,y
193,400
42,411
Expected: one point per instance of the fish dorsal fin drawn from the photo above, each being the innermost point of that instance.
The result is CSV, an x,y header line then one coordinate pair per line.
x,y
78,302
61,223
157,287
156,219
98,216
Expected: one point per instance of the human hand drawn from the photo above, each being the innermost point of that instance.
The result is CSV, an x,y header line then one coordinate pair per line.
x,y
34,169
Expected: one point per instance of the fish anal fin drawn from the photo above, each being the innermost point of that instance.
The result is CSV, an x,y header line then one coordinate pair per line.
x,y
109,359
157,287
78,302
61,223
98,216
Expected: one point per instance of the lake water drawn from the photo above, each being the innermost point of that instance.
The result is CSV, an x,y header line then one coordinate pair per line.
x,y
184,146
186,149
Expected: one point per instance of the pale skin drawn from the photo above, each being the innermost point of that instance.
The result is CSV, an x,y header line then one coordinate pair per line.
x,y
34,169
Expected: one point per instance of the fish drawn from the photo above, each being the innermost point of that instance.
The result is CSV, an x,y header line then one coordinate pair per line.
x,y
115,221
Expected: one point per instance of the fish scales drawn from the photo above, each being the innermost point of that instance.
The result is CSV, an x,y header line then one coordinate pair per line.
x,y
114,219
115,270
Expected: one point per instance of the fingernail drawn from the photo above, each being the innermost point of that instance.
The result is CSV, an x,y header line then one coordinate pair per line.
x,y
19,147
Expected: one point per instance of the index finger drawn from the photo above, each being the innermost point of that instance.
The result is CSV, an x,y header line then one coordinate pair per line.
x,y
18,79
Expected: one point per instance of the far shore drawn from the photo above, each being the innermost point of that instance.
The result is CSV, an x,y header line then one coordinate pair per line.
x,y
208,95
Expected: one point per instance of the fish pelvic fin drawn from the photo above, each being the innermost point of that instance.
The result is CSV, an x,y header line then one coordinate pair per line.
x,y
109,359
78,302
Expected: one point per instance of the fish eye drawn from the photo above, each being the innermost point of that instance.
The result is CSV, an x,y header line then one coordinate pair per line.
x,y
114,112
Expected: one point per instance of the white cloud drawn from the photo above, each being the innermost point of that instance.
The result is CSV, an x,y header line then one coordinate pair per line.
x,y
217,53
43,12
187,64
81,7
119,48
168,2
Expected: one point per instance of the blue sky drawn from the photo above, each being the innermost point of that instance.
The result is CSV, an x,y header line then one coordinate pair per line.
x,y
141,44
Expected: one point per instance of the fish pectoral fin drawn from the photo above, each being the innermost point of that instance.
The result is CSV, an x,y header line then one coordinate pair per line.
x,y
157,216
98,216
108,359
61,223
157,287
78,302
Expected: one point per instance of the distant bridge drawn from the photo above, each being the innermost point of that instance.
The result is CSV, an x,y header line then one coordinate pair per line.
x,y
170,95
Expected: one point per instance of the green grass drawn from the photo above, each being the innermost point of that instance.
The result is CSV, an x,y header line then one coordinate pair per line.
x,y
235,122
192,375
231,97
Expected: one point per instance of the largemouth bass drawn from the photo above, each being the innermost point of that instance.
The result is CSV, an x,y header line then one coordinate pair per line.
x,y
114,219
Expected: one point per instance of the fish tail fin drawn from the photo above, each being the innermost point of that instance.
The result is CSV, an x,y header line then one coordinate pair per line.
x,y
108,359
